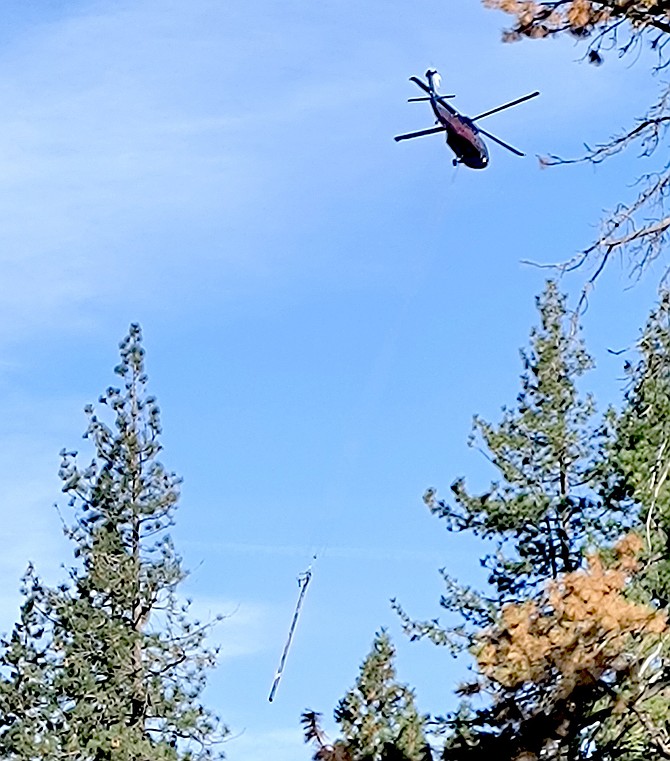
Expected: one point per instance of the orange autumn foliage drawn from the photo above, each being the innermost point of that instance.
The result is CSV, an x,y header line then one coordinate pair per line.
x,y
581,629
579,13
540,18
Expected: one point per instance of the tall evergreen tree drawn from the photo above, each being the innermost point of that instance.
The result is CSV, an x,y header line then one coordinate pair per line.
x,y
572,658
108,666
547,504
378,718
641,450
571,676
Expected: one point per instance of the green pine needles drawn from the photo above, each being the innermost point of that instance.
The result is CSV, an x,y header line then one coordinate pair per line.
x,y
108,666
570,640
379,711
548,503
544,507
378,718
640,452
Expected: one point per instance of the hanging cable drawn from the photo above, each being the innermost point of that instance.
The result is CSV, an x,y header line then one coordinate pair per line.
x,y
303,582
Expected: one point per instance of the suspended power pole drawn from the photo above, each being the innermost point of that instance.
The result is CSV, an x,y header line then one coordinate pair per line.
x,y
303,583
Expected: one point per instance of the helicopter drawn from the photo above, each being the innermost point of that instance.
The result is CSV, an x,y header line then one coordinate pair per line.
x,y
463,135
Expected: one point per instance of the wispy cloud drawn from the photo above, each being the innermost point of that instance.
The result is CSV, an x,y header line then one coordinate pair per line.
x,y
243,630
108,127
401,555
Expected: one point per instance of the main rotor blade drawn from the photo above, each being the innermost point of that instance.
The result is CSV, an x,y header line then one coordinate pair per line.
x,y
421,133
507,105
421,84
500,142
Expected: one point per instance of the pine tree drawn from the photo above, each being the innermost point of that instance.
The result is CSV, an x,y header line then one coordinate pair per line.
x,y
542,505
641,451
121,666
567,676
547,504
572,659
28,709
378,718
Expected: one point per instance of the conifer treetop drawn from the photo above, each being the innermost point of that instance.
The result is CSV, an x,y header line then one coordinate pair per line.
x,y
378,718
546,506
122,664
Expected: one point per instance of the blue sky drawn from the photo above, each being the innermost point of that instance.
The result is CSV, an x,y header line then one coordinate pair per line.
x,y
323,309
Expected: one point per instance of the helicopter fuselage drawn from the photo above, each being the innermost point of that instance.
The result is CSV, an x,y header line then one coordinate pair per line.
x,y
462,136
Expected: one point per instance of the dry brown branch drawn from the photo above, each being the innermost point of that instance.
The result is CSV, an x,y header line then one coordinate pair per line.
x,y
584,18
581,664
637,229
324,751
